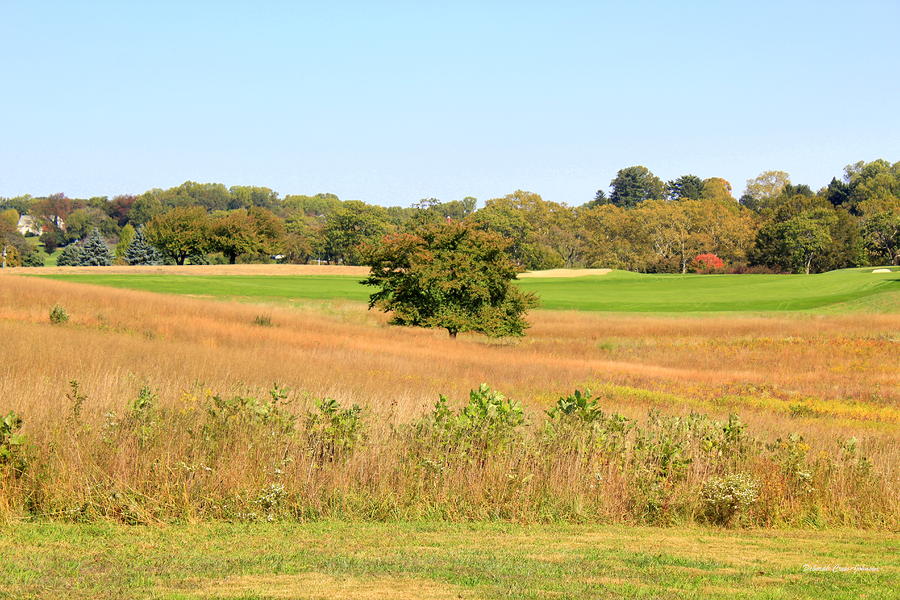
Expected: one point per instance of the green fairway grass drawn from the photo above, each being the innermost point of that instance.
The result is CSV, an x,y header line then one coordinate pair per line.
x,y
622,291
431,561
619,291
262,287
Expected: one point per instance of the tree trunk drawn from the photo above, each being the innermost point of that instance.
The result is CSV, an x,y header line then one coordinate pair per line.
x,y
453,333
4,256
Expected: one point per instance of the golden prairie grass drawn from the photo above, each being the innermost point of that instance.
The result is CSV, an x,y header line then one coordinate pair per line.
x,y
828,378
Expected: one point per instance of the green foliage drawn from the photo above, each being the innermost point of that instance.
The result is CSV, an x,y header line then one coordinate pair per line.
x,y
539,234
578,425
580,406
488,424
633,185
95,252
247,196
881,231
451,276
71,256
34,259
81,222
126,236
796,242
686,187
245,413
58,315
240,232
764,188
141,417
351,226
180,233
90,252
12,445
252,224
140,252
333,432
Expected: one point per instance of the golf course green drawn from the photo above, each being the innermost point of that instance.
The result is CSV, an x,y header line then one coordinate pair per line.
x,y
617,291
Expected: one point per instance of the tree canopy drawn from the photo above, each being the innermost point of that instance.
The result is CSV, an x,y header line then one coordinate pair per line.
x,y
451,276
642,225
633,185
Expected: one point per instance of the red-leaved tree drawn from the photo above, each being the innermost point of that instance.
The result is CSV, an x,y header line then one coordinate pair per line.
x,y
707,263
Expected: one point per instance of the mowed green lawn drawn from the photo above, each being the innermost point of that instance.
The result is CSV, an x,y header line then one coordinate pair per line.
x,y
439,561
619,291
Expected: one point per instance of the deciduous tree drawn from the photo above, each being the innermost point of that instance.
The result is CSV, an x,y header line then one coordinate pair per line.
x,y
180,233
452,276
764,187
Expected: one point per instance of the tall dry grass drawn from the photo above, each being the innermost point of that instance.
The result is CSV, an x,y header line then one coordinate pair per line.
x,y
828,378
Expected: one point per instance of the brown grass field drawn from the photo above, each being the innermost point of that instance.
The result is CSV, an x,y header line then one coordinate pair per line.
x,y
825,377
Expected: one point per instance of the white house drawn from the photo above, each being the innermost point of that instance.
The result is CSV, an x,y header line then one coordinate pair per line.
x,y
28,225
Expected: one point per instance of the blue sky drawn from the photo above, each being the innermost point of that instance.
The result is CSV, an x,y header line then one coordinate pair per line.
x,y
390,102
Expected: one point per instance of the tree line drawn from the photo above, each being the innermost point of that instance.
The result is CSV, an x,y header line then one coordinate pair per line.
x,y
640,223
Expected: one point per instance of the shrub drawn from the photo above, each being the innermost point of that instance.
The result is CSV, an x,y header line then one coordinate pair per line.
x,y
707,263
333,432
725,498
579,406
34,259
577,424
58,315
12,444
487,424
263,320
141,415
226,416
76,403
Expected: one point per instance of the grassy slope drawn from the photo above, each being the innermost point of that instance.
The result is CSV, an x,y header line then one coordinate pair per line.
x,y
281,287
631,292
403,560
618,291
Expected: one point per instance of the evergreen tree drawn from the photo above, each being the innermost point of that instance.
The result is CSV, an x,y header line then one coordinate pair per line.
x,y
634,185
95,252
71,256
686,187
140,252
